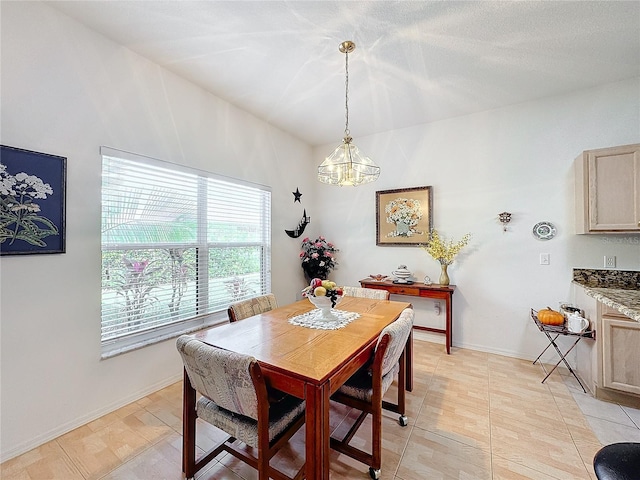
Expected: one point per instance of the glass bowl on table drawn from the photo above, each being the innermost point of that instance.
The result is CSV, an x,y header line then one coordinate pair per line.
x,y
325,305
324,295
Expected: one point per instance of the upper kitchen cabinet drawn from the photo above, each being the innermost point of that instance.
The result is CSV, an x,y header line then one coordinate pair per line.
x,y
608,190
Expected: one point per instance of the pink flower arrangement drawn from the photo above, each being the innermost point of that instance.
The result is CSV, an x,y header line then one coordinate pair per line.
x,y
318,257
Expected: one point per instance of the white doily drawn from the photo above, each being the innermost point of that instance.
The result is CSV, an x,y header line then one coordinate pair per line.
x,y
315,319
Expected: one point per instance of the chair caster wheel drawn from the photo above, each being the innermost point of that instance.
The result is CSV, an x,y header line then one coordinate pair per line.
x,y
403,421
375,474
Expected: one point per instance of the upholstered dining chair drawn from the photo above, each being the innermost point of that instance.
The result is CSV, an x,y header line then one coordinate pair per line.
x,y
235,399
253,306
365,389
366,293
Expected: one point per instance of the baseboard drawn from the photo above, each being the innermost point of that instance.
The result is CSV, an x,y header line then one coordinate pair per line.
x,y
430,337
622,398
496,351
427,336
83,420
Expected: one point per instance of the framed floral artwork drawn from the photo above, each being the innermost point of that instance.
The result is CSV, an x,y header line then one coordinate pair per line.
x,y
403,216
32,202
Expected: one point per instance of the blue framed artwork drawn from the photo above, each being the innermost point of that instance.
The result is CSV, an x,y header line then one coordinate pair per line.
x,y
32,202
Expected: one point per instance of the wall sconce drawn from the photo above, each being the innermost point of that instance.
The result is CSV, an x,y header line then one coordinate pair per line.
x,y
505,218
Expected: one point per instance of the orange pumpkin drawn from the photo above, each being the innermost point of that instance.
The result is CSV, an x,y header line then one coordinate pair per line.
x,y
550,317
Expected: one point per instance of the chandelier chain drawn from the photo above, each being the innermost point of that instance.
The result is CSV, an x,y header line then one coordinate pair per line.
x,y
346,94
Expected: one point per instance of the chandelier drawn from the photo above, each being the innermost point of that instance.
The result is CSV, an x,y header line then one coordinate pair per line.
x,y
346,165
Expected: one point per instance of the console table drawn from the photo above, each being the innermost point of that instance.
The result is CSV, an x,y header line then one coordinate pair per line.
x,y
416,289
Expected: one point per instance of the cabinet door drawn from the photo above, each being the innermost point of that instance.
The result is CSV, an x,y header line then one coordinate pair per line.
x,y
621,354
613,186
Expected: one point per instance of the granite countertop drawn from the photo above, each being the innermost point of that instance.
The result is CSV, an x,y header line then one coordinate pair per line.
x,y
626,302
617,289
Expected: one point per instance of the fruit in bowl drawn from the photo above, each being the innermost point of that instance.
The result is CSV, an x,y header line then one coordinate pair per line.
x,y
323,293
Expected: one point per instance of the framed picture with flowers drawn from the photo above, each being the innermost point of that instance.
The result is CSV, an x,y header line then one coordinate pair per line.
x,y
403,216
32,202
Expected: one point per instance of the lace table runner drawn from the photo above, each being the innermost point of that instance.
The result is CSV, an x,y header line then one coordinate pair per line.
x,y
314,319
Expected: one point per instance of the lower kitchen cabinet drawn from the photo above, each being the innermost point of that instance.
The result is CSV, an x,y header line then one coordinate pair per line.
x,y
610,364
620,351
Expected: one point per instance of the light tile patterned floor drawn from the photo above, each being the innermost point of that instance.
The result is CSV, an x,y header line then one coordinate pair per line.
x,y
472,415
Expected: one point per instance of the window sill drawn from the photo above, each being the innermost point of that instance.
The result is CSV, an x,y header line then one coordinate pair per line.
x,y
120,346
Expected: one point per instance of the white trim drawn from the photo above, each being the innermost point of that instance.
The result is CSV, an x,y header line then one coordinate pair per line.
x,y
151,337
83,420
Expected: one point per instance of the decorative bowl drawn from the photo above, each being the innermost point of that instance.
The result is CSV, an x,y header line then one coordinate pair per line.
x,y
402,274
324,305
379,277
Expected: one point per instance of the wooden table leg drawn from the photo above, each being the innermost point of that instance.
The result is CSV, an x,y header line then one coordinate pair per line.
x,y
188,427
317,432
449,333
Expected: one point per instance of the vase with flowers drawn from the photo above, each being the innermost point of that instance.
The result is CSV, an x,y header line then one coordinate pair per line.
x,y
404,213
318,258
444,251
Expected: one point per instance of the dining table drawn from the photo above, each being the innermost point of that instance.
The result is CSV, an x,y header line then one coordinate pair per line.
x,y
308,363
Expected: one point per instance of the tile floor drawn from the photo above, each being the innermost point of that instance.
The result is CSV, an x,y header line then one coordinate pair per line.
x,y
472,415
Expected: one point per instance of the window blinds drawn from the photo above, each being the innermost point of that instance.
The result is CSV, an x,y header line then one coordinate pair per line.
x,y
178,244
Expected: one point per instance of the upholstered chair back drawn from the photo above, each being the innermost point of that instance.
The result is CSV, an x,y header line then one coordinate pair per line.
x,y
220,375
253,306
366,293
398,332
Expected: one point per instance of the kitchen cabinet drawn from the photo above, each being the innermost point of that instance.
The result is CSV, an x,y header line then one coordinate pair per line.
x,y
607,187
609,365
620,351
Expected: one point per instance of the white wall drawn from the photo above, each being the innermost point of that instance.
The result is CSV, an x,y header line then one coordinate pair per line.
x,y
517,159
66,91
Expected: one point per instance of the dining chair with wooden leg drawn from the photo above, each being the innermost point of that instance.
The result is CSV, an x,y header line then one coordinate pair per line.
x,y
253,306
235,399
380,294
366,293
365,389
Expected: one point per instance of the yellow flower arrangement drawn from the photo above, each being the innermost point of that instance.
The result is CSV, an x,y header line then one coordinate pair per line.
x,y
444,251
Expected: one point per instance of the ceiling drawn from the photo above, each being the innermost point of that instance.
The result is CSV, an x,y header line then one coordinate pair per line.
x,y
415,61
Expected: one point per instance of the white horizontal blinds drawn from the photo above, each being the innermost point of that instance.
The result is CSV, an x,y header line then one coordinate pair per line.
x,y
177,244
149,242
238,236
147,204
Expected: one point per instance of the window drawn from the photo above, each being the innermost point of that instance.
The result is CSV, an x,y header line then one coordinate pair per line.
x,y
178,246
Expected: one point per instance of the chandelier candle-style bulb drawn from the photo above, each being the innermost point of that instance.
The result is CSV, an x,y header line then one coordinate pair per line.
x,y
346,165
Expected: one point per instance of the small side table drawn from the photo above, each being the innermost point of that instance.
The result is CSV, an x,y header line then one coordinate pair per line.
x,y
557,330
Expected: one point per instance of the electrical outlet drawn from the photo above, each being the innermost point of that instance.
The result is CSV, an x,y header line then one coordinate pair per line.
x,y
545,259
609,261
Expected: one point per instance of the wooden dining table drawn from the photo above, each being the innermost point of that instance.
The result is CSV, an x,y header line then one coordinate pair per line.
x,y
305,362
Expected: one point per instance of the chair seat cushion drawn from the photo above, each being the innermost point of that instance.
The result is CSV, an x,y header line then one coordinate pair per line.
x,y
360,384
281,415
618,461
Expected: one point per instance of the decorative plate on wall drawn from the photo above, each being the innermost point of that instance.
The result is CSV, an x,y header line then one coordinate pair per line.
x,y
544,231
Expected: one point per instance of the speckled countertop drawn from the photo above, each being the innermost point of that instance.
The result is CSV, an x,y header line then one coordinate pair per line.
x,y
618,289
